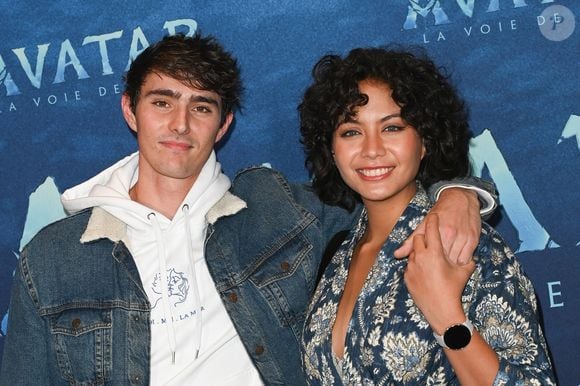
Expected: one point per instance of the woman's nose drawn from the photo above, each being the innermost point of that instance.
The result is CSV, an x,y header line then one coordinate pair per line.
x,y
373,147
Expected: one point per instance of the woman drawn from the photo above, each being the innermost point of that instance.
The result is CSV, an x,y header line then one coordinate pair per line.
x,y
380,126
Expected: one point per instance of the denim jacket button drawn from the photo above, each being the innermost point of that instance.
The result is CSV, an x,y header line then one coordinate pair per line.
x,y
233,297
76,323
285,266
259,350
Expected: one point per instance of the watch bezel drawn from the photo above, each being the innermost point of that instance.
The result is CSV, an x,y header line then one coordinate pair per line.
x,y
456,337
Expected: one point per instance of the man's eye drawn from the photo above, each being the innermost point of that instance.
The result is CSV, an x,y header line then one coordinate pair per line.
x,y
202,109
162,104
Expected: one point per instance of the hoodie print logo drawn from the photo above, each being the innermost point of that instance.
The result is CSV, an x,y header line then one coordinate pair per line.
x,y
177,287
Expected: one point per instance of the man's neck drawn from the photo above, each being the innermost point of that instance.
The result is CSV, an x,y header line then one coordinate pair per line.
x,y
162,196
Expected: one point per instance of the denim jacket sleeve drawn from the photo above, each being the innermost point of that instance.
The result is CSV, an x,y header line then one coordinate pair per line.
x,y
485,190
333,219
25,359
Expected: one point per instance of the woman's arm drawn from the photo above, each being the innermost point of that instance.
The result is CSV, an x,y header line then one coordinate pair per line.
x,y
436,286
500,302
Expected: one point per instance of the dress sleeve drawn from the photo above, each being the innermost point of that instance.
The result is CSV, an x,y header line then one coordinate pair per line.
x,y
505,313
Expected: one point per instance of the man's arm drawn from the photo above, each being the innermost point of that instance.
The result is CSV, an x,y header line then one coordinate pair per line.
x,y
458,206
486,192
25,356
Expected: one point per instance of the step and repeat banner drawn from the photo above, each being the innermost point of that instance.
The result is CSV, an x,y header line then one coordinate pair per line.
x,y
514,61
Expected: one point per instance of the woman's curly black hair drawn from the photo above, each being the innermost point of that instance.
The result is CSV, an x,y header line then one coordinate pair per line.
x,y
428,102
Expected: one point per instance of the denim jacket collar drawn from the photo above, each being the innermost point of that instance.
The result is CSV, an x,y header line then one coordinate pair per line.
x,y
102,224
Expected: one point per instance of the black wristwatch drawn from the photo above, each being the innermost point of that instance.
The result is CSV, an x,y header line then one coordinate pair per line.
x,y
455,337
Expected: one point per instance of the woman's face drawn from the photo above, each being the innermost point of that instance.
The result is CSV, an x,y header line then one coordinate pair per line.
x,y
377,153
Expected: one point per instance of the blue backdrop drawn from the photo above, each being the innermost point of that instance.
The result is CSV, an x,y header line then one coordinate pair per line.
x,y
514,61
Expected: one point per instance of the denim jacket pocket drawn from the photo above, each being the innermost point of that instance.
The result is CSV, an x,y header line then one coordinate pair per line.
x,y
285,279
82,333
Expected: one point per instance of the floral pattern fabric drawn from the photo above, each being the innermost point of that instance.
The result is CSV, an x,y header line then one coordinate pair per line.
x,y
389,342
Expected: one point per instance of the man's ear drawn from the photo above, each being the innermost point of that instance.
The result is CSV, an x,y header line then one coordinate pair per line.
x,y
224,128
128,113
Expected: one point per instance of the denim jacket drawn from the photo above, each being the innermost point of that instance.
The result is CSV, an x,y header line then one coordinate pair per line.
x,y
79,313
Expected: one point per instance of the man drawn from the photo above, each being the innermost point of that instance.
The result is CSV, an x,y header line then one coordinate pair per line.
x,y
164,273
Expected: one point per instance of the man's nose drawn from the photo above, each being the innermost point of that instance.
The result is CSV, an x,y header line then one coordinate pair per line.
x,y
180,122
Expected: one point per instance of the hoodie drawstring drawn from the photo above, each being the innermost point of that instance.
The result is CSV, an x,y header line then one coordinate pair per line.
x,y
164,285
163,277
195,284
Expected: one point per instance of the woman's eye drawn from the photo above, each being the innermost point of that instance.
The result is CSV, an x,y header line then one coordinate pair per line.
x,y
392,128
348,133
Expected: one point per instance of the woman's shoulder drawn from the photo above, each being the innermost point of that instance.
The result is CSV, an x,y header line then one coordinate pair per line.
x,y
492,249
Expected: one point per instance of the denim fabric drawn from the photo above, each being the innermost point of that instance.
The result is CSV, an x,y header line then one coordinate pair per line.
x,y
264,261
79,313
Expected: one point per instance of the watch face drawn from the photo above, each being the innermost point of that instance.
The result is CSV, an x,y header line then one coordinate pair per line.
x,y
457,337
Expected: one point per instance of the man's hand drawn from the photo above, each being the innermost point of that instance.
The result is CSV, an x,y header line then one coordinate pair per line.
x,y
459,225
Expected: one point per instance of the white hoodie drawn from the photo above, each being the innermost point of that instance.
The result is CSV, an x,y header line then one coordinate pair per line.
x,y
193,340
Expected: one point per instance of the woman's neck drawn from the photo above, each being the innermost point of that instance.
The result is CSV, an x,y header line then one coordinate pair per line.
x,y
383,215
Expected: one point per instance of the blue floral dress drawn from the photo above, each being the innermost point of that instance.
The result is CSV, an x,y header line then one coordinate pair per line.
x,y
388,340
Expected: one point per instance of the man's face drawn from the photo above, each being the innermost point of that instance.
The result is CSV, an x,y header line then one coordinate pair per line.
x,y
177,127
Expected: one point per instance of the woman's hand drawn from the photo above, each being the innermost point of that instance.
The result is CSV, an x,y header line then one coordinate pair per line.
x,y
433,281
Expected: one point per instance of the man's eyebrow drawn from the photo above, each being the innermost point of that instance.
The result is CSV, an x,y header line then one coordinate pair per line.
x,y
176,95
203,98
164,92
